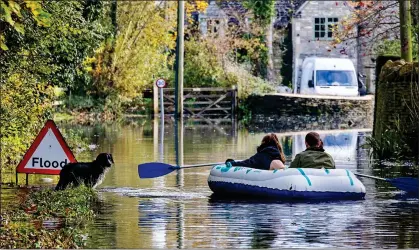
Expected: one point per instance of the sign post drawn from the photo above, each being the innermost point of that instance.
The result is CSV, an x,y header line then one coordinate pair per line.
x,y
48,154
161,83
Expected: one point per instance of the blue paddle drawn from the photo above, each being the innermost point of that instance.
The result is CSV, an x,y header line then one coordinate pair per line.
x,y
157,169
407,184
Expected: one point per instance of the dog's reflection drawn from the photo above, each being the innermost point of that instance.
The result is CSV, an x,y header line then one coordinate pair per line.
x,y
90,174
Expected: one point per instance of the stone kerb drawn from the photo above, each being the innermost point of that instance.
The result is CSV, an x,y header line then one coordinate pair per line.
x,y
288,112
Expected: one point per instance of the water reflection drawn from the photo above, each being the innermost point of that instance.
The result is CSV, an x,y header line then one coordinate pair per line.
x,y
178,211
275,224
342,145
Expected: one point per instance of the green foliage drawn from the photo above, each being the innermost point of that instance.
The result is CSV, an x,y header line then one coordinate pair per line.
x,y
12,13
78,103
245,113
46,42
70,209
391,144
24,105
246,83
202,67
392,47
263,10
122,67
286,61
72,205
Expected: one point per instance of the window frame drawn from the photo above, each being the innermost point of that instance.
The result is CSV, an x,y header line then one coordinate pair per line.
x,y
326,25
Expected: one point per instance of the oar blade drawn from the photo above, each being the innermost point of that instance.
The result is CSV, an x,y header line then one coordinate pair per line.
x,y
154,169
407,184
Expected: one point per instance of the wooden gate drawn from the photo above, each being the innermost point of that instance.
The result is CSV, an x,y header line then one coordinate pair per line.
x,y
204,103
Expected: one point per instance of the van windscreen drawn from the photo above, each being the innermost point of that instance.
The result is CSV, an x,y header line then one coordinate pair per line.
x,y
335,78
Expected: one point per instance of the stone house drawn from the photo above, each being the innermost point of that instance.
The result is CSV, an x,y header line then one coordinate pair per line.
x,y
310,23
212,20
217,17
312,34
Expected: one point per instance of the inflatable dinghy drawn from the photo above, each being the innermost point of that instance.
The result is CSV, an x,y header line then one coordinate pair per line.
x,y
285,184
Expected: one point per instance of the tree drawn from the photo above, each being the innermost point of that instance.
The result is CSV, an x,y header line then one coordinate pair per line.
x,y
370,20
372,23
405,30
263,11
12,15
415,14
286,67
141,51
43,45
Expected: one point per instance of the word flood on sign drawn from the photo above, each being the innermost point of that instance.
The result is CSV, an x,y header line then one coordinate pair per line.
x,y
39,162
48,154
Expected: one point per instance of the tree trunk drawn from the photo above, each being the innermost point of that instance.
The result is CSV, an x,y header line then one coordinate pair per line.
x,y
114,6
269,43
405,30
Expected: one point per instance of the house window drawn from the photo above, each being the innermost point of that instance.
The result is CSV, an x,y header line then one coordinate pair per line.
x,y
212,26
323,27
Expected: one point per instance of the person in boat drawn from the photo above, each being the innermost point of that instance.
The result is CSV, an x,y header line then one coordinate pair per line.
x,y
269,155
314,156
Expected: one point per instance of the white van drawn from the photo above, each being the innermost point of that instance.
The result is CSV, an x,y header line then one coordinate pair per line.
x,y
327,76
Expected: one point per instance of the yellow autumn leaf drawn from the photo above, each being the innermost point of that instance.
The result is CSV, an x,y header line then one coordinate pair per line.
x,y
15,7
2,43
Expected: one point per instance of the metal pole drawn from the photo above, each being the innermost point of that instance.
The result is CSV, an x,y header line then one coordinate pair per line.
x,y
161,104
155,100
161,126
179,141
179,153
155,138
179,60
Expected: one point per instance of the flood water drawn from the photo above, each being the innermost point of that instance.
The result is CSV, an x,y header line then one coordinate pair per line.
x,y
177,211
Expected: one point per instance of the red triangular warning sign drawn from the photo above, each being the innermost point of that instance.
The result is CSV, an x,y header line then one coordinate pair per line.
x,y
47,154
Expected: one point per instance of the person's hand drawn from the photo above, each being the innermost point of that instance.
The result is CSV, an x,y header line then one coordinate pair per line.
x,y
229,160
228,163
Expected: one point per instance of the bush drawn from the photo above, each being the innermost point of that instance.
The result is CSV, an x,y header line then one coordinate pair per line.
x,y
69,211
392,144
25,104
202,67
205,68
247,83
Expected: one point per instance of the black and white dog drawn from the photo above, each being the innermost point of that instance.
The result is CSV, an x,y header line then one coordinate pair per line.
x,y
90,174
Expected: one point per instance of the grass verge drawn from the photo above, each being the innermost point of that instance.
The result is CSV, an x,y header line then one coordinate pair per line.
x,y
44,218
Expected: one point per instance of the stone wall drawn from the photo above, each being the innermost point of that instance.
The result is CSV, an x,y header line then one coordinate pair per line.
x,y
397,102
286,112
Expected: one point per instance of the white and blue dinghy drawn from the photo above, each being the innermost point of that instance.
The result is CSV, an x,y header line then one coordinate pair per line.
x,y
286,184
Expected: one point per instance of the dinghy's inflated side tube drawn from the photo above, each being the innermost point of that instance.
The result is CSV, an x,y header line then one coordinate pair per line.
x,y
291,183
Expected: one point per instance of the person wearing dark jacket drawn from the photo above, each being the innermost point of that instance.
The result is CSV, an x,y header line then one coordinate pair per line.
x,y
314,156
269,155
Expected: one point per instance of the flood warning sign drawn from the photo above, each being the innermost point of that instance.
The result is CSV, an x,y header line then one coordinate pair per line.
x,y
47,154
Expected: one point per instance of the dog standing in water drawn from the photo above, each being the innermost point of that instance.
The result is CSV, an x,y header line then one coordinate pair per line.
x,y
90,174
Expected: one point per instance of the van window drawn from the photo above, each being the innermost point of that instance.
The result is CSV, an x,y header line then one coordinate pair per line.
x,y
335,78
